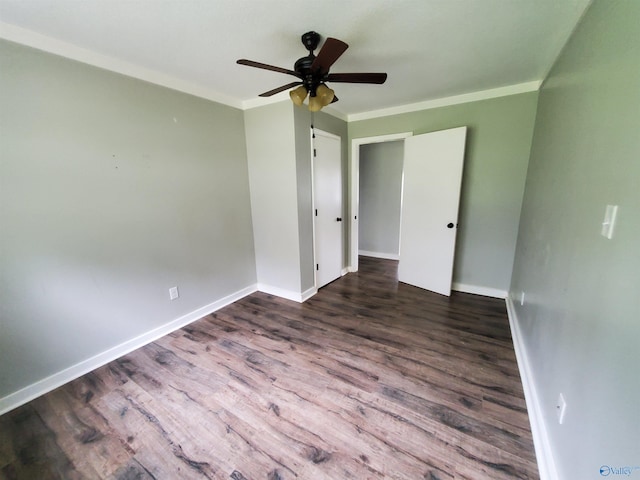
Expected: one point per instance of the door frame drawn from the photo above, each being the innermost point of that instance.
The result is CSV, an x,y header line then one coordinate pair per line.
x,y
313,130
354,189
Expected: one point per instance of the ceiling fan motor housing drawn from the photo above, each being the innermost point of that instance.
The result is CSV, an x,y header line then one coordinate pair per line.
x,y
310,40
309,80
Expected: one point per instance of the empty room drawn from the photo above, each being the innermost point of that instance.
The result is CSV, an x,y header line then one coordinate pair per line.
x,y
284,239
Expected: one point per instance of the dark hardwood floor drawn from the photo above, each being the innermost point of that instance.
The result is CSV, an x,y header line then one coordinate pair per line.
x,y
368,379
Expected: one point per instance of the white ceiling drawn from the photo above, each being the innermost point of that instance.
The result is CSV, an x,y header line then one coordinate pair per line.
x,y
430,48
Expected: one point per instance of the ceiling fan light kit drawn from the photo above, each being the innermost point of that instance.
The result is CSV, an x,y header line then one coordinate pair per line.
x,y
313,73
298,95
326,94
315,105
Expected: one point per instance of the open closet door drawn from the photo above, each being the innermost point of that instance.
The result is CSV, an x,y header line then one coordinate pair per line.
x,y
430,198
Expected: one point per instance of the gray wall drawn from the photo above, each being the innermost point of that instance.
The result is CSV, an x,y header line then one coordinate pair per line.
x,y
112,190
380,196
581,319
279,153
271,154
497,154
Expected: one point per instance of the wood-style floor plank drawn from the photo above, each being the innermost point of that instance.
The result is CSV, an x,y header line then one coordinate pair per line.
x,y
369,379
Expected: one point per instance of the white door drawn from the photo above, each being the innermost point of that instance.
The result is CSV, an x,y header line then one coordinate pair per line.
x,y
430,198
327,193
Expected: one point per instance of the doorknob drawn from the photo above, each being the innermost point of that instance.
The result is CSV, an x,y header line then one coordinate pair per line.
x,y
338,219
449,225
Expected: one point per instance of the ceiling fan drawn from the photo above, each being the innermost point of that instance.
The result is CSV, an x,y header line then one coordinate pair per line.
x,y
313,73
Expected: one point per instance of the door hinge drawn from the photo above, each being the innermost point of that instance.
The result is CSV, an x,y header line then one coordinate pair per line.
x,y
317,266
314,153
316,212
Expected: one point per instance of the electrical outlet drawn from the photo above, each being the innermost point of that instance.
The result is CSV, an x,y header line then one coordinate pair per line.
x,y
521,298
561,408
173,293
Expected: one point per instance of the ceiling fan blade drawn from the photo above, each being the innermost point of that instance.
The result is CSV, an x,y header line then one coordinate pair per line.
x,y
357,77
264,66
329,53
280,89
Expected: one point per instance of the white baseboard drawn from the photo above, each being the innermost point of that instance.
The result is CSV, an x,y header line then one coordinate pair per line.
x,y
307,294
58,379
544,454
344,271
387,256
288,294
477,290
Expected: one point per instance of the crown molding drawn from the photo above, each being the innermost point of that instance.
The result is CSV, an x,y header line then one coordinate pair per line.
x,y
447,101
52,45
48,44
262,101
38,41
335,113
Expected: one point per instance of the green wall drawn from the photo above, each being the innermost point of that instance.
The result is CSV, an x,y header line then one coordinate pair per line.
x,y
580,323
112,190
497,153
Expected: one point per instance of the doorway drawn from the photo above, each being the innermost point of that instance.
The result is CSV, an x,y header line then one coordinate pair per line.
x,y
381,170
355,190
432,175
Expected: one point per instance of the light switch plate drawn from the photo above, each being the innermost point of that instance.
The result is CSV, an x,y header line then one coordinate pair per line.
x,y
561,408
609,221
173,293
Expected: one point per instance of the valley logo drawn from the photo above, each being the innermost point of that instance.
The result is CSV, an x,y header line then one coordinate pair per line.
x,y
606,470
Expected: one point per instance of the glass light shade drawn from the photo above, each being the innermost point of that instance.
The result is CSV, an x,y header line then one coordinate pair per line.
x,y
325,93
298,95
315,104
